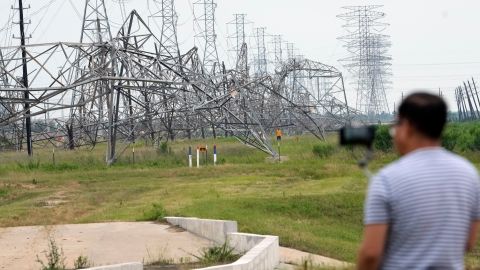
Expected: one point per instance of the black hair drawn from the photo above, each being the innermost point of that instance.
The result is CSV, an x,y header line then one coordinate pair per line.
x,y
427,113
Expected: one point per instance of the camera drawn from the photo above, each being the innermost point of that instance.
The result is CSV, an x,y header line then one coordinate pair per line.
x,y
363,136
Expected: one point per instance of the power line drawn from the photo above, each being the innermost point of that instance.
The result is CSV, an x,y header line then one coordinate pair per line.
x,y
438,64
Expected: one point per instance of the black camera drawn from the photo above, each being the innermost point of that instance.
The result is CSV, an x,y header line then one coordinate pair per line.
x,y
363,136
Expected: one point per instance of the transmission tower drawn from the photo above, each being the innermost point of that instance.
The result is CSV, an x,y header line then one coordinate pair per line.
x,y
207,24
290,51
96,26
277,51
369,61
239,37
260,63
169,19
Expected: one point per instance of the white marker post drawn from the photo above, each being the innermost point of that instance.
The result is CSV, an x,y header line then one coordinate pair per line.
x,y
133,154
214,155
198,157
190,164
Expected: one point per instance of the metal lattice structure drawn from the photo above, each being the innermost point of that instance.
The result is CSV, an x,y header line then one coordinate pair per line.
x,y
260,63
468,101
209,37
135,84
369,62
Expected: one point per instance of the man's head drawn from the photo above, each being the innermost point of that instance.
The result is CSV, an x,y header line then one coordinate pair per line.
x,y
421,119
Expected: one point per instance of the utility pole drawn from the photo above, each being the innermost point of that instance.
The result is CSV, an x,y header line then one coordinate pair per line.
x,y
28,120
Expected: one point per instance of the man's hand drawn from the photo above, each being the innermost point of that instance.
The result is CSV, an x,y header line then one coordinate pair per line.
x,y
371,251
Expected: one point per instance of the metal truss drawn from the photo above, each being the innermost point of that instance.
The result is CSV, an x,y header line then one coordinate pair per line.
x,y
136,85
369,61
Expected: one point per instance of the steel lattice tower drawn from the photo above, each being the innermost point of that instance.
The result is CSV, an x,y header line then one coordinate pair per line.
x,y
369,61
96,26
261,56
239,36
168,38
210,54
277,51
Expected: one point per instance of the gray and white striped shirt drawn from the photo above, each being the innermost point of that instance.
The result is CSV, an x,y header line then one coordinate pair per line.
x,y
429,198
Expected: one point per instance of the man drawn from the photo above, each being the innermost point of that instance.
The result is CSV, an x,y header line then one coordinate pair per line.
x,y
422,211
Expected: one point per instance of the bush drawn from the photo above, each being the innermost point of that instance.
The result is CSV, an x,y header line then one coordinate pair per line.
x,y
462,137
323,150
449,137
155,213
383,140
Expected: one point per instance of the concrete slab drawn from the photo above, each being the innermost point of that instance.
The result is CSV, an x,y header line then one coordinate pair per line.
x,y
102,243
296,257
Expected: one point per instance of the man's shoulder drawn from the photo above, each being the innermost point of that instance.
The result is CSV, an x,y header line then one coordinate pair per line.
x,y
417,160
456,162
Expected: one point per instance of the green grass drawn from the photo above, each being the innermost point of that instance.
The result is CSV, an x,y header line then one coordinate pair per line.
x,y
314,204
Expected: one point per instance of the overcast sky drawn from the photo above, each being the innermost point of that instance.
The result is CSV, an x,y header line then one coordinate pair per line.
x,y
435,43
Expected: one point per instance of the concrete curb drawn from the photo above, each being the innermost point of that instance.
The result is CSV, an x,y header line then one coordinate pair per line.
x,y
215,230
262,252
123,266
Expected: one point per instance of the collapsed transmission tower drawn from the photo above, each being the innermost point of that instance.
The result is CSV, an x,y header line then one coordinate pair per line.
x,y
369,62
120,87
468,101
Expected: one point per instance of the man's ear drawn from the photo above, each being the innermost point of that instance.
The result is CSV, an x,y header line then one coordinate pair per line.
x,y
409,128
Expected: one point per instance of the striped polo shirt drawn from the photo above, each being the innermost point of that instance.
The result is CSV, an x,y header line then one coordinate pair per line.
x,y
429,198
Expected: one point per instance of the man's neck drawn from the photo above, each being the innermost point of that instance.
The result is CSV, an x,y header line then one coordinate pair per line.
x,y
422,142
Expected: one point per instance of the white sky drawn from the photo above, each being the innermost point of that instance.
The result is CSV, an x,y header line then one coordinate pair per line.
x,y
435,43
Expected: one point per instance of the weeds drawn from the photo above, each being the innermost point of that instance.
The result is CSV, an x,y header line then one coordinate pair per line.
x,y
82,262
55,257
159,259
218,255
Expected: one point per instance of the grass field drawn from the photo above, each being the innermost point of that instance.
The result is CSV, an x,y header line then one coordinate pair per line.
x,y
314,204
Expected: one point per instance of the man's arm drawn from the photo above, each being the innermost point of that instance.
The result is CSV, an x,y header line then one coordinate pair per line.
x,y
472,239
371,251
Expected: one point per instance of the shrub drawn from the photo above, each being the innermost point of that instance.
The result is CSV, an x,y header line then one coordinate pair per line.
x,y
449,137
462,137
383,140
155,213
323,150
